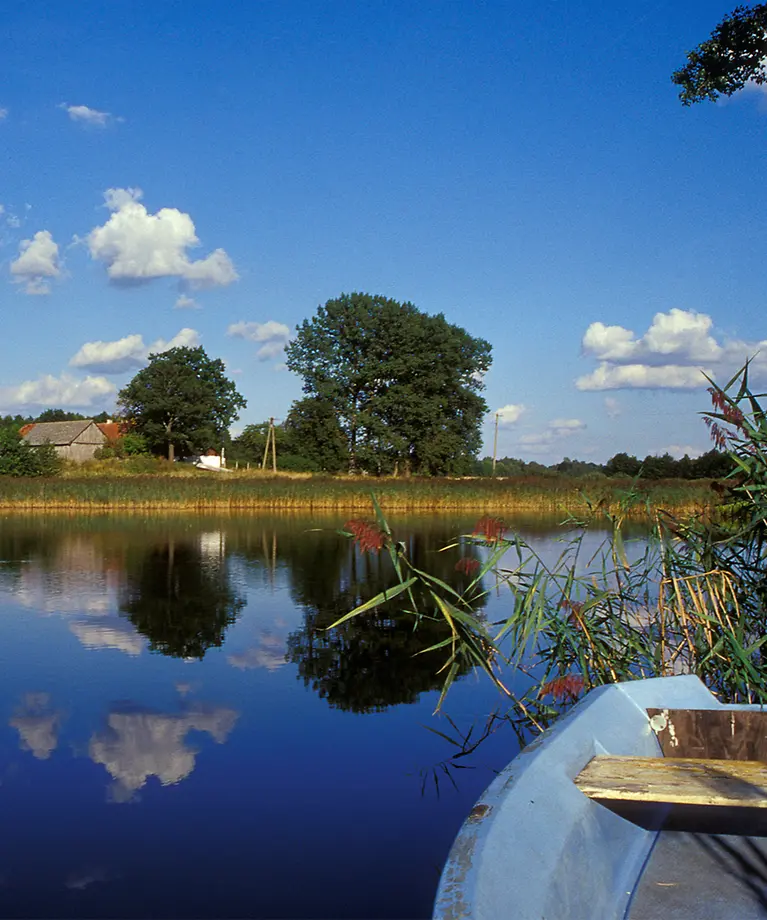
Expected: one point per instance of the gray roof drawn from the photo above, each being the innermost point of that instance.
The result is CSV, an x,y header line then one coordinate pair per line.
x,y
57,433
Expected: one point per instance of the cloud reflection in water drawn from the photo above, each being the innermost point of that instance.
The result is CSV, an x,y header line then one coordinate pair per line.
x,y
108,632
137,744
37,724
270,653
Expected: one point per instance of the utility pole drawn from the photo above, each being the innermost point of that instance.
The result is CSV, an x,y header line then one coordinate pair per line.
x,y
495,441
266,447
270,438
274,446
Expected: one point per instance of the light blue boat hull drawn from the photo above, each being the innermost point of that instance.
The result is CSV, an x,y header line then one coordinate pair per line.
x,y
536,848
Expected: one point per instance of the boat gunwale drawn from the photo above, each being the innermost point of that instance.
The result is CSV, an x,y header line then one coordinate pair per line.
x,y
534,846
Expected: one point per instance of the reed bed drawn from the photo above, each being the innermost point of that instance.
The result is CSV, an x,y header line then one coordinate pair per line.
x,y
687,597
194,491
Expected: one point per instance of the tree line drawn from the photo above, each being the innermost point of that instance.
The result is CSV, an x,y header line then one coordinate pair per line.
x,y
388,390
296,454
714,464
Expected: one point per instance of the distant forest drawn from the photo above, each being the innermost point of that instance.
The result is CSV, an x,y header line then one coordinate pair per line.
x,y
712,465
50,415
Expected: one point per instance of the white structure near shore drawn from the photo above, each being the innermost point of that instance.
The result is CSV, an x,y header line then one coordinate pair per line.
x,y
210,460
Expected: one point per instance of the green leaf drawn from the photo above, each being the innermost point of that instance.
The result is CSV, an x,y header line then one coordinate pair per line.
x,y
376,601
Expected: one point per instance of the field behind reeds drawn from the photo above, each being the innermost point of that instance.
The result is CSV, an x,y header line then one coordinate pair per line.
x,y
186,489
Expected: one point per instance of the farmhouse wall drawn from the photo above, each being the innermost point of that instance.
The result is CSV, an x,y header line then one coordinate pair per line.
x,y
84,445
77,441
77,452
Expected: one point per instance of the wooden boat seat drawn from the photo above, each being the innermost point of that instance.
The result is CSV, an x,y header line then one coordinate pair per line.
x,y
712,777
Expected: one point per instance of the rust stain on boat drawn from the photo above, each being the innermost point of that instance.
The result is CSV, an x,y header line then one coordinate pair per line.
x,y
479,812
457,895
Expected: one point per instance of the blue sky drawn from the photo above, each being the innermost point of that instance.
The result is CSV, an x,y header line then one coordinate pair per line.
x,y
185,172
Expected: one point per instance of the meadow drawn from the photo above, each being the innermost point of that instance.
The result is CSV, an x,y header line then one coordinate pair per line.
x,y
151,484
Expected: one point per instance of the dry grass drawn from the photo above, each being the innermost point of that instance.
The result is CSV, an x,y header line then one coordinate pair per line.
x,y
101,486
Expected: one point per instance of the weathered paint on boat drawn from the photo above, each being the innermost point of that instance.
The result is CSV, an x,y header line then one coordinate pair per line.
x,y
535,847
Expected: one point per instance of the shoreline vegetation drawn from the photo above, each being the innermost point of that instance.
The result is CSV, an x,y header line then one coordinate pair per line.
x,y
690,600
186,489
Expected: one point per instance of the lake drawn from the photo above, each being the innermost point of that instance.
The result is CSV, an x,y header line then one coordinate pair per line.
x,y
181,736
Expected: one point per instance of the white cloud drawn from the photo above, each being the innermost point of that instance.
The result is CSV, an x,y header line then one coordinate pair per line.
x,y
112,357
37,724
85,115
750,87
676,337
137,246
672,353
542,439
38,260
129,352
556,430
63,391
612,407
213,271
137,745
270,350
184,338
566,426
679,450
3,114
117,198
640,376
186,303
271,335
508,415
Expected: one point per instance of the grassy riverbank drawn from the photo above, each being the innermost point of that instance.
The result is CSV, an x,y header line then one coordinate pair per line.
x,y
191,490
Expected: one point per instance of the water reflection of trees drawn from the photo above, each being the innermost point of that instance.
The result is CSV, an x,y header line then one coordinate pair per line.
x,y
179,597
172,583
374,661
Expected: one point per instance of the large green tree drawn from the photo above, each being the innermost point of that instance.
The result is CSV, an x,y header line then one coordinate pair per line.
x,y
314,433
404,386
182,401
734,55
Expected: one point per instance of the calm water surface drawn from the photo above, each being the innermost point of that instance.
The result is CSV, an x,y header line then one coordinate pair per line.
x,y
180,736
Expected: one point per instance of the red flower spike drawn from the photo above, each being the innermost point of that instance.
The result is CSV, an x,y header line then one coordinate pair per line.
x,y
718,435
733,415
717,398
563,688
367,536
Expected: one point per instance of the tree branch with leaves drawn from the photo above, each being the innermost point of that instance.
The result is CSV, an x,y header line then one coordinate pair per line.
x,y
733,56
